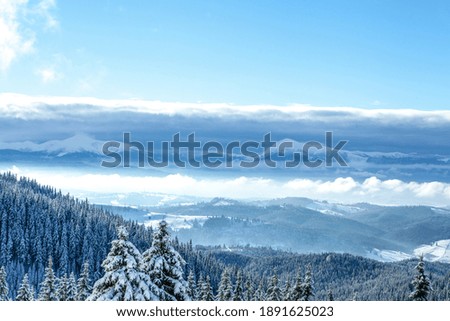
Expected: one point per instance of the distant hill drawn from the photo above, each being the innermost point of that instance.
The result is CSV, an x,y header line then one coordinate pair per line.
x,y
307,226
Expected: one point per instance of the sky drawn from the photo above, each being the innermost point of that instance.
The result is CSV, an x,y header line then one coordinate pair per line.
x,y
363,54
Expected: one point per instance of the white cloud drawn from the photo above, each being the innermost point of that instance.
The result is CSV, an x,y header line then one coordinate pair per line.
x,y
13,41
54,70
339,185
342,190
18,20
371,185
429,190
43,9
52,107
47,75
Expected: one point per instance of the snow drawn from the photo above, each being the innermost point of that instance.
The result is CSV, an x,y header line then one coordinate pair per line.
x,y
223,203
164,266
333,209
439,210
437,252
175,221
388,255
123,279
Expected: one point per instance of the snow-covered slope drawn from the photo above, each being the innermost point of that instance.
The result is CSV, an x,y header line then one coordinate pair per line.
x,y
388,255
333,208
437,252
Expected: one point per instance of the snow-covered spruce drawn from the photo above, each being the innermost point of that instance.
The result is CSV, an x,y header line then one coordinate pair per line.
x,y
192,286
260,294
273,291
67,288
249,294
297,291
225,291
206,290
164,266
25,292
239,288
48,289
123,279
84,288
4,290
421,284
287,290
72,291
63,288
308,286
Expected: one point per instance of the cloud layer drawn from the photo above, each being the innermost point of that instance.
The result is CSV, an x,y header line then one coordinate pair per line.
x,y
341,190
395,156
53,107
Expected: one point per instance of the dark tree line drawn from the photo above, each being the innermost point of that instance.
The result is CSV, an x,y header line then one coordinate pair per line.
x,y
37,223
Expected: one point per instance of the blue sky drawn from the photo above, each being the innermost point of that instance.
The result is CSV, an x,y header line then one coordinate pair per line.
x,y
367,54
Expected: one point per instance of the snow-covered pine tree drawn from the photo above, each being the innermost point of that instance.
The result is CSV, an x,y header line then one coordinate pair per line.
x,y
308,287
273,291
207,292
249,290
72,288
123,279
48,289
33,292
192,286
421,284
25,292
239,288
297,290
4,290
200,284
287,290
84,288
63,288
260,294
225,291
164,266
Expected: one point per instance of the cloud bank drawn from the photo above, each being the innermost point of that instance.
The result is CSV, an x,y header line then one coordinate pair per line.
x,y
341,190
34,107
395,156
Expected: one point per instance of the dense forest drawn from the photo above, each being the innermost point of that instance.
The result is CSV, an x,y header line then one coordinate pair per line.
x,y
55,247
